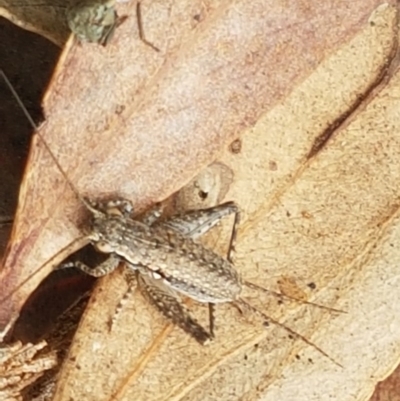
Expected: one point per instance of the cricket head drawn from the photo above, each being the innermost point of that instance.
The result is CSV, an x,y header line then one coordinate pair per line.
x,y
109,223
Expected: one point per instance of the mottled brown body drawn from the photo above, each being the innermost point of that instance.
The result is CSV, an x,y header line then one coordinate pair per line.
x,y
169,262
164,259
167,255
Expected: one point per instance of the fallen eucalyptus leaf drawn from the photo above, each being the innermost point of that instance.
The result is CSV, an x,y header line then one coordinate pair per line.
x,y
319,199
317,180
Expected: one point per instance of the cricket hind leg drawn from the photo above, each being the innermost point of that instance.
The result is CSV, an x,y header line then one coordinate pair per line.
x,y
229,208
164,299
170,305
193,224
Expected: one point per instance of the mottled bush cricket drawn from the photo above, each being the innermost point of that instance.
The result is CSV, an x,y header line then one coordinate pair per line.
x,y
167,259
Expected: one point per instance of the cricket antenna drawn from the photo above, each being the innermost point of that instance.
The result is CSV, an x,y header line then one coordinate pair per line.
x,y
282,295
35,127
83,200
242,304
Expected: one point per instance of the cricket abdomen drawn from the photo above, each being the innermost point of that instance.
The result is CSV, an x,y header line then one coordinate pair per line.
x,y
202,275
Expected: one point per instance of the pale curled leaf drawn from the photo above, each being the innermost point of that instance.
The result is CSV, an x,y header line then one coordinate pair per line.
x,y
326,215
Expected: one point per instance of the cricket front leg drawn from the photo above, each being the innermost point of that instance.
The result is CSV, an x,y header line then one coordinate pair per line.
x,y
104,268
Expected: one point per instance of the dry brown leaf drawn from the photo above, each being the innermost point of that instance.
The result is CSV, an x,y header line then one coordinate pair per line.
x,y
317,181
125,119
47,17
308,209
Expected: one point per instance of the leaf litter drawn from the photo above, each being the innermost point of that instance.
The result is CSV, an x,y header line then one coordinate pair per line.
x,y
214,364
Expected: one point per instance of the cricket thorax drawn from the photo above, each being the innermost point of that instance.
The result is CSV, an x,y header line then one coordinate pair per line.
x,y
116,234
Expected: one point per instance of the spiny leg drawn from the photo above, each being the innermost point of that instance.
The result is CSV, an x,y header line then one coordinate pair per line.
x,y
170,305
194,223
232,208
164,299
232,242
104,268
131,279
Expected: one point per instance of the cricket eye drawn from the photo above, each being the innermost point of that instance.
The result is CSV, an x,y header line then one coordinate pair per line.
x,y
104,246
